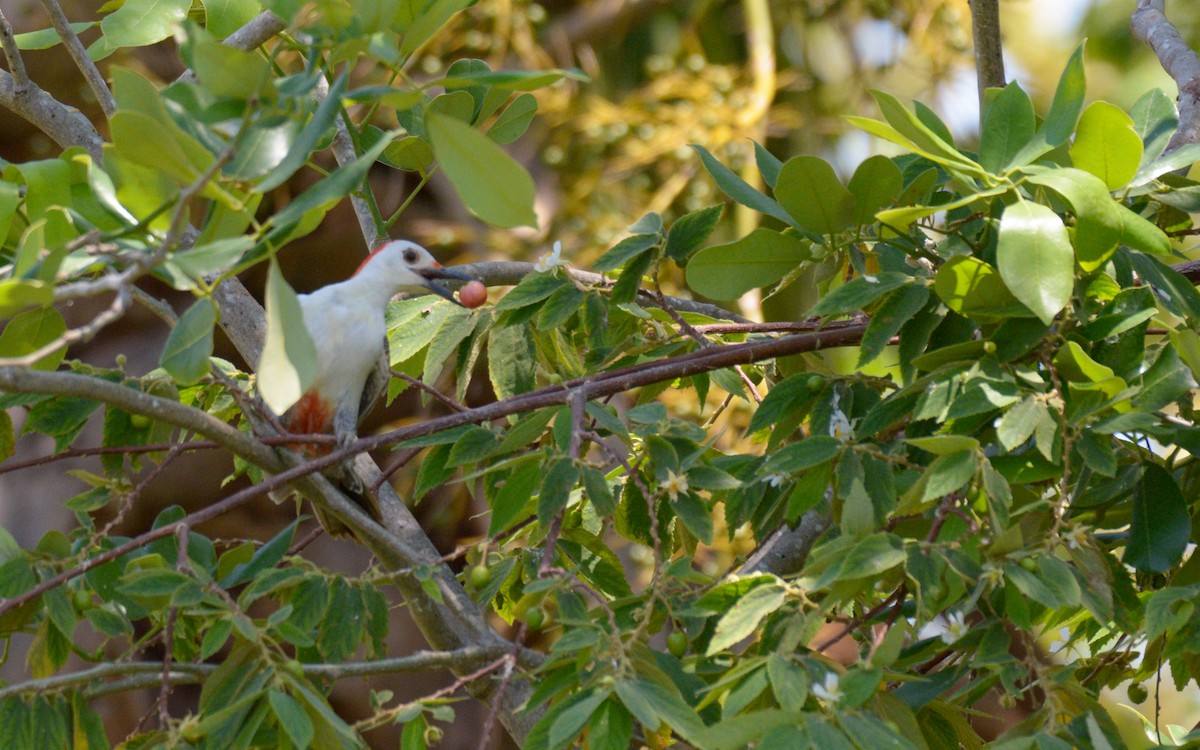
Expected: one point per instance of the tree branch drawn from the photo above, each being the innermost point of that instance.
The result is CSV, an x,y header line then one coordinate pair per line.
x,y
1150,25
12,53
79,55
989,53
183,673
24,380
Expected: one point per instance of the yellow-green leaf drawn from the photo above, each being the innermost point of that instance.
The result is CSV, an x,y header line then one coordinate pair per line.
x,y
1036,259
289,358
488,180
1107,145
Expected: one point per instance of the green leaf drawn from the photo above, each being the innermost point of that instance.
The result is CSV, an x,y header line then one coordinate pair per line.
x,y
949,473
47,38
1007,128
810,452
1161,525
514,120
926,141
740,190
433,17
412,153
289,358
264,558
292,718
573,716
308,139
223,17
887,319
228,71
559,480
1155,121
869,557
944,445
1165,381
1035,257
742,619
859,292
10,198
147,142
760,258
30,331
8,438
876,184
1102,223
488,180
560,306
768,165
695,515
811,193
624,251
670,707
1018,423
1107,145
611,728
514,496
137,23
329,190
1064,111
185,355
533,289
690,231
789,682
974,289
512,360
213,257
16,295
1173,290
456,326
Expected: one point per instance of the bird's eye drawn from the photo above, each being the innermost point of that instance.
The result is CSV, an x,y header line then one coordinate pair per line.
x,y
410,256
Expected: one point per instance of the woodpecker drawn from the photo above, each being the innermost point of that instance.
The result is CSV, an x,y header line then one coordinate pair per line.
x,y
347,324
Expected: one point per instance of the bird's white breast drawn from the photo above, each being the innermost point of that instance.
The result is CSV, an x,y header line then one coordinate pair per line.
x,y
348,333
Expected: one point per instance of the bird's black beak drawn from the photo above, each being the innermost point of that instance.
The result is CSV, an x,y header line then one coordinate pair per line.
x,y
438,272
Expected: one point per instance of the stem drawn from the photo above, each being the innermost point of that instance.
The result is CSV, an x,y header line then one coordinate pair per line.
x,y
79,55
989,56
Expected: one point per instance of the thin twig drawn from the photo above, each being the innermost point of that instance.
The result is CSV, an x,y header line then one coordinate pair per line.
x,y
427,388
510,661
79,56
12,53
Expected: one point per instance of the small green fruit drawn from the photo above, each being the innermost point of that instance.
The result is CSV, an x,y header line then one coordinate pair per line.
x,y
139,421
82,600
535,618
989,347
814,383
479,576
1028,563
677,643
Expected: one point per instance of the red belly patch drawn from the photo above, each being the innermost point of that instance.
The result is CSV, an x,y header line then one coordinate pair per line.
x,y
311,414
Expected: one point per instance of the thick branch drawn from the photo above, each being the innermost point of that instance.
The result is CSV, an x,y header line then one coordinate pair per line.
x,y
1150,25
183,673
989,54
23,380
785,551
66,126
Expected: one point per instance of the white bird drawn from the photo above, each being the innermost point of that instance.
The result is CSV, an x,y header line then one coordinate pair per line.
x,y
347,324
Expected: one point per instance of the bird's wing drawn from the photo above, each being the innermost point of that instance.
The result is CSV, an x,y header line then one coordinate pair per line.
x,y
377,382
